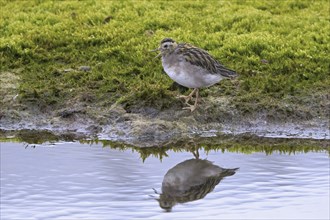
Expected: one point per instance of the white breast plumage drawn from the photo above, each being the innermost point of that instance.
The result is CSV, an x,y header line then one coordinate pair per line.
x,y
189,75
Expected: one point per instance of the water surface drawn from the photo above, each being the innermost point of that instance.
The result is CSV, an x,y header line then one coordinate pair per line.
x,y
79,181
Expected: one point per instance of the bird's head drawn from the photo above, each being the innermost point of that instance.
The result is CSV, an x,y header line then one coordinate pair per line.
x,y
167,45
166,202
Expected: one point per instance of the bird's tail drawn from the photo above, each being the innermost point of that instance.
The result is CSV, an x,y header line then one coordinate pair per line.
x,y
227,72
229,172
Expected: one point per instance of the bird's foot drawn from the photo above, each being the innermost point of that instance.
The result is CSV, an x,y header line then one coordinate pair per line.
x,y
190,107
186,98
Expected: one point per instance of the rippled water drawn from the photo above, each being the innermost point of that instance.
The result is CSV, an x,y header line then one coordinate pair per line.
x,y
79,181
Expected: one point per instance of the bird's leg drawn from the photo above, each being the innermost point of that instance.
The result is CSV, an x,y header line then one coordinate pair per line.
x,y
193,107
196,153
188,97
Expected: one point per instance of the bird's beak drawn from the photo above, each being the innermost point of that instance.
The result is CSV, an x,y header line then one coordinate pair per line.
x,y
155,50
157,55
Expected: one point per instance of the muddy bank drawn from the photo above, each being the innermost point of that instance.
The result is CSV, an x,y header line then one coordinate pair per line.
x,y
148,126
140,125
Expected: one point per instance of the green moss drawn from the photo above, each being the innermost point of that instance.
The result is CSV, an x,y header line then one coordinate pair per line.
x,y
246,144
279,48
239,144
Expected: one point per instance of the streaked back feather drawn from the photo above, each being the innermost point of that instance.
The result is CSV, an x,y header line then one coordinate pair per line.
x,y
202,58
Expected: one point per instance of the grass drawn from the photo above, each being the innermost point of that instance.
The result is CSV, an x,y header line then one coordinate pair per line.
x,y
240,145
246,144
279,48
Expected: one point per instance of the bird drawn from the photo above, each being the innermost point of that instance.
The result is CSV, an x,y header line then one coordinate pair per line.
x,y
190,180
191,67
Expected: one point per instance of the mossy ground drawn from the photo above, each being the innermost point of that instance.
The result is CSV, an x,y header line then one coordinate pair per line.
x,y
246,144
279,48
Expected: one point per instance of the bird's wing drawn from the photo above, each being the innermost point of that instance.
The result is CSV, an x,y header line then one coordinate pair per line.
x,y
202,58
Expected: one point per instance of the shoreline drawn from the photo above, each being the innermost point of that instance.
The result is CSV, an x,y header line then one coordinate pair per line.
x,y
146,130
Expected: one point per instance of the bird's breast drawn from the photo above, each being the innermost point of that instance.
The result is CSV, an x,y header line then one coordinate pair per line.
x,y
188,75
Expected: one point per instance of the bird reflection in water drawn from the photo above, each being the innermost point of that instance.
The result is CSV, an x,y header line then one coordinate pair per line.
x,y
190,180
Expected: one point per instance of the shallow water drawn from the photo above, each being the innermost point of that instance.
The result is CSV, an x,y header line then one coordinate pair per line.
x,y
80,181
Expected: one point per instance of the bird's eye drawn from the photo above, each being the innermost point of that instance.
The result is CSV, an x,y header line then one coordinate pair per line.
x,y
165,46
